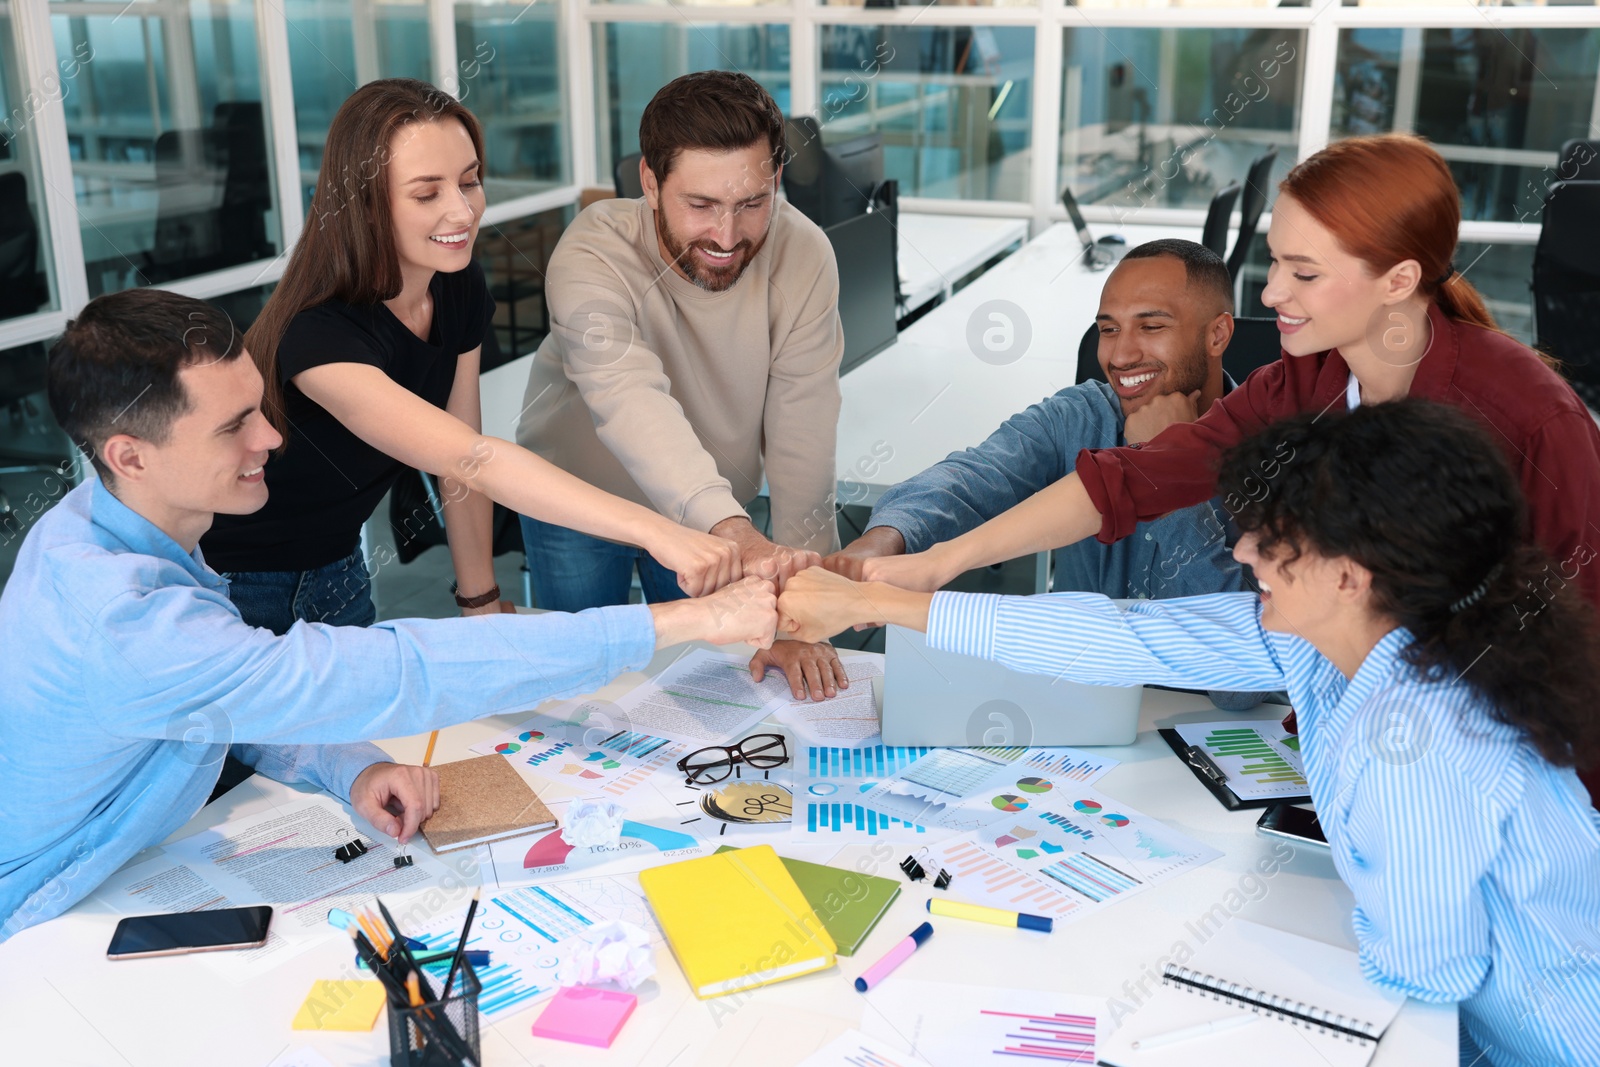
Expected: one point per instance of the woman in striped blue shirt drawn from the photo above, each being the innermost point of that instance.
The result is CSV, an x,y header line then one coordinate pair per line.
x,y
1444,672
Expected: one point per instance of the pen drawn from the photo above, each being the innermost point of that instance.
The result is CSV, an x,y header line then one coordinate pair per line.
x,y
461,946
1202,1030
978,913
893,958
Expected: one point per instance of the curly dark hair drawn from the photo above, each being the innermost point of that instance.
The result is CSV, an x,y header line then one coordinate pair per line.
x,y
1418,494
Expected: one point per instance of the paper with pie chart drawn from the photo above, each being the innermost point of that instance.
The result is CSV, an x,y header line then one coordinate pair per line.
x,y
1064,851
576,744
651,836
873,791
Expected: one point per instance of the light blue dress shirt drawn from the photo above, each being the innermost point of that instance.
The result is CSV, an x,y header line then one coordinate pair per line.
x,y
1475,864
128,672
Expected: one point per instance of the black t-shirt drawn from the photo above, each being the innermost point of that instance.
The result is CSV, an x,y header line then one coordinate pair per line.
x,y
326,483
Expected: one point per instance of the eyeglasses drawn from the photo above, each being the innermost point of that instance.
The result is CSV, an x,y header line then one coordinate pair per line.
x,y
761,751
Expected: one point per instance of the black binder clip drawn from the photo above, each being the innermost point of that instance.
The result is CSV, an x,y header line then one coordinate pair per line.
x,y
353,850
943,880
402,861
913,869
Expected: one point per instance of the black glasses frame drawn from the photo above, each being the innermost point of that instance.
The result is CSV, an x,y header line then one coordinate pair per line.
x,y
715,770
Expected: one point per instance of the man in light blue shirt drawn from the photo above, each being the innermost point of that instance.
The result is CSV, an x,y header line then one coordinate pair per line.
x,y
130,674
1165,319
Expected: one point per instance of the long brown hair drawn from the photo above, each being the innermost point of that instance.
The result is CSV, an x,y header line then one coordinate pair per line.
x,y
347,250
1387,199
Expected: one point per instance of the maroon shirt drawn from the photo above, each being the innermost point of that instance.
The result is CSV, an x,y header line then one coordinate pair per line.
x,y
1545,430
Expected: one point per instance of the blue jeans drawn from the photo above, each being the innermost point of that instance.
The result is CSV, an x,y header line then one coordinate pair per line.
x,y
339,593
572,571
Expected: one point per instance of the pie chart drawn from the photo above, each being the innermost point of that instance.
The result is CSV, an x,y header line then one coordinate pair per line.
x,y
1007,802
1034,785
530,735
1113,819
507,748
1088,807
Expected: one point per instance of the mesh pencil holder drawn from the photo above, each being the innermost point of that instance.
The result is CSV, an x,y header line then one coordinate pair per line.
x,y
418,1036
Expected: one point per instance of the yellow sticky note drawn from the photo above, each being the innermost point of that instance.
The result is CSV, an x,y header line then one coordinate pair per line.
x,y
337,1005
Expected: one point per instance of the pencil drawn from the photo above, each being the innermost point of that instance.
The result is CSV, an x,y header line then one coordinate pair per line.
x,y
427,757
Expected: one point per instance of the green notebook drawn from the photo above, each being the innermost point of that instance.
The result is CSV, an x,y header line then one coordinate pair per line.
x,y
848,902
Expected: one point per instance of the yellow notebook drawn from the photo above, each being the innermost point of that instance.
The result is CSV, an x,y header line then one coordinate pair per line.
x,y
736,920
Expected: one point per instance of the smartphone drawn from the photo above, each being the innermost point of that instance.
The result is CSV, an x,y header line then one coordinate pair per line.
x,y
190,931
1292,823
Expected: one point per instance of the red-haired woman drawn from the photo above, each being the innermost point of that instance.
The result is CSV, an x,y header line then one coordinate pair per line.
x,y
1370,308
369,349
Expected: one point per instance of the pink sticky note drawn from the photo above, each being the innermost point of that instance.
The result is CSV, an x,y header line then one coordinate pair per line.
x,y
586,1016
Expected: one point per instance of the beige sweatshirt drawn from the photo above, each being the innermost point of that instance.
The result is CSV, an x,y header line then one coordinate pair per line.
x,y
658,391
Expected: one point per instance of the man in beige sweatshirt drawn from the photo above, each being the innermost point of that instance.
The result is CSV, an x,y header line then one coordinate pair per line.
x,y
694,348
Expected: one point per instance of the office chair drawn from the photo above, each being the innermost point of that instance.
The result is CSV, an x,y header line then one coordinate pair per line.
x,y
241,147
1566,284
21,291
1579,161
33,443
1252,202
625,176
1215,235
1256,343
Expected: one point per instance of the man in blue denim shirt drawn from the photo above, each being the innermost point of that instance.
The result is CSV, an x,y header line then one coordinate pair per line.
x,y
129,673
1165,319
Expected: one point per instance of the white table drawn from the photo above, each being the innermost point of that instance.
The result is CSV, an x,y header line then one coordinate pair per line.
x,y
66,1004
937,251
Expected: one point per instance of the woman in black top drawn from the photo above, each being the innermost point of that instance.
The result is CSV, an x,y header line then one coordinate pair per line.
x,y
369,349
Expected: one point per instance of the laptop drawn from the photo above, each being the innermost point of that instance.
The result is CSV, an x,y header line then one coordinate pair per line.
x,y
1097,255
945,699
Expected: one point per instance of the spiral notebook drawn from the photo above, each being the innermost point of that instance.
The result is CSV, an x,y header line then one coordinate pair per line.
x,y
1315,1008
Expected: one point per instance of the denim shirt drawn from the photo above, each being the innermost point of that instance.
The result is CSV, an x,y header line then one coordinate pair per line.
x,y
129,673
1182,554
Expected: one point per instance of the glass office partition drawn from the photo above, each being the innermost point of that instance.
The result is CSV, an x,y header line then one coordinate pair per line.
x,y
1498,104
168,137
27,278
509,72
1166,117
954,104
632,60
336,46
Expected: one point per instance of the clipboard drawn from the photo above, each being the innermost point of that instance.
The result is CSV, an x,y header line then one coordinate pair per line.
x,y
1212,777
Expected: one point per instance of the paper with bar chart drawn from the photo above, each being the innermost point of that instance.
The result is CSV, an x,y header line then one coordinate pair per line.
x,y
526,931
1065,852
873,791
1261,759
947,1023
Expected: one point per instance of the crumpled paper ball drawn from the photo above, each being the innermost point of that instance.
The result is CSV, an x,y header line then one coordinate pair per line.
x,y
593,823
616,951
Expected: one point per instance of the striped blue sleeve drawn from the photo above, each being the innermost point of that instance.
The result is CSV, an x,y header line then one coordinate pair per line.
x,y
1203,642
1418,841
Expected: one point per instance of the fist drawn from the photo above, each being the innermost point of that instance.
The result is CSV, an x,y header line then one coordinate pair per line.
x,y
744,611
1158,413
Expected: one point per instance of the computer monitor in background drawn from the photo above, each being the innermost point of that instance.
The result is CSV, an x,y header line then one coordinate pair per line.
x,y
864,248
830,183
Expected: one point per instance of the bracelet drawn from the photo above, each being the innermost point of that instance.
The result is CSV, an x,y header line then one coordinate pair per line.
x,y
480,600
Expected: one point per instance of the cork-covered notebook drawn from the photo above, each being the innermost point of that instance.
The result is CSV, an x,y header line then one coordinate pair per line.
x,y
483,799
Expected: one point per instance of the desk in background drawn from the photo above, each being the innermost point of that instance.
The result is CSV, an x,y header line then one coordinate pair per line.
x,y
66,1004
936,252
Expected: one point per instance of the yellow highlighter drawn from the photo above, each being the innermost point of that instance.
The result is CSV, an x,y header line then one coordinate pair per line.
x,y
998,916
